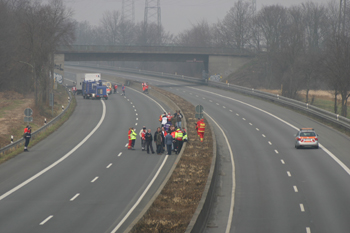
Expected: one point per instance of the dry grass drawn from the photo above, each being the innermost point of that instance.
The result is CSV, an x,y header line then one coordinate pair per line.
x,y
173,209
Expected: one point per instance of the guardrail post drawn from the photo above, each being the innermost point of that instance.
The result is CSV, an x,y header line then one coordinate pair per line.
x,y
337,117
68,98
307,105
45,122
252,89
278,96
182,76
228,84
62,107
11,139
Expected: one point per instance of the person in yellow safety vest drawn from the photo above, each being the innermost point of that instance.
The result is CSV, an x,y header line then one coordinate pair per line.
x,y
185,137
178,138
132,138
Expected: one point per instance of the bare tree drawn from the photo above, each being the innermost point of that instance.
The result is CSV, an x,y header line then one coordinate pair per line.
x,y
198,36
236,27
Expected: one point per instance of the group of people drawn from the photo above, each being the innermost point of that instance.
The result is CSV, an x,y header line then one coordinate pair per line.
x,y
115,88
167,138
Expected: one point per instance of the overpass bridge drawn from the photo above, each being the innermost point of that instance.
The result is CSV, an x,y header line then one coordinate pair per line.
x,y
215,60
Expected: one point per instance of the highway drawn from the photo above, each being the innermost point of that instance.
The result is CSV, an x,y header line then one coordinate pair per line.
x,y
82,178
266,185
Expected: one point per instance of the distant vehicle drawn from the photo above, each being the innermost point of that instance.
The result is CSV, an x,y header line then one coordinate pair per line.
x,y
306,137
94,90
80,78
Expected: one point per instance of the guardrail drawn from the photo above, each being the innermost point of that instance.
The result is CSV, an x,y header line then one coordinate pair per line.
x,y
322,114
20,142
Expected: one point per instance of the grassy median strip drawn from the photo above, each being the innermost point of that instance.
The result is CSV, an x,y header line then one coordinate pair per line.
x,y
173,209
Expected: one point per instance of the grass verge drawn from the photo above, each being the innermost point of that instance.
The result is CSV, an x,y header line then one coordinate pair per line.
x,y
42,135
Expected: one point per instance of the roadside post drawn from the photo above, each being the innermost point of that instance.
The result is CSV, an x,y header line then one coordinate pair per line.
x,y
199,111
28,112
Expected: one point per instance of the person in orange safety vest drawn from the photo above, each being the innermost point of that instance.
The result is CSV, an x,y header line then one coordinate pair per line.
x,y
200,127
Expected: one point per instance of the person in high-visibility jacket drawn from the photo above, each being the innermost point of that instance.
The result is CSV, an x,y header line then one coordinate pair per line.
x,y
173,131
132,137
185,137
200,129
178,139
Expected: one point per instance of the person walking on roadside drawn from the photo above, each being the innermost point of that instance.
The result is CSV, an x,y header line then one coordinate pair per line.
x,y
178,117
158,140
185,137
169,142
142,134
178,138
123,90
200,129
149,140
27,135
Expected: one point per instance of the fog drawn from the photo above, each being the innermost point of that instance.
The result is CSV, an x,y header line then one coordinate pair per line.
x,y
177,15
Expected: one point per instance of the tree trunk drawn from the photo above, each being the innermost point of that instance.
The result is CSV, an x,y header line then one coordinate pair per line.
x,y
335,101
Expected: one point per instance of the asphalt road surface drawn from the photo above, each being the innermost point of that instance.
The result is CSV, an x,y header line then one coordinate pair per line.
x,y
265,185
82,178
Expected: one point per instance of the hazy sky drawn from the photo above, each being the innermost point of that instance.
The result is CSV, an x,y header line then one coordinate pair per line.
x,y
177,15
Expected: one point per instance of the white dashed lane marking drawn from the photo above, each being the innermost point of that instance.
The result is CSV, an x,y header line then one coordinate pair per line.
x,y
257,129
223,106
47,219
263,135
289,174
210,101
94,179
109,165
126,144
295,189
243,119
237,114
302,208
276,151
270,143
121,152
217,104
308,230
282,161
75,196
231,111
250,124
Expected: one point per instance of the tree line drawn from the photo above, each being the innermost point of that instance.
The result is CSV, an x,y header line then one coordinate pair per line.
x,y
30,34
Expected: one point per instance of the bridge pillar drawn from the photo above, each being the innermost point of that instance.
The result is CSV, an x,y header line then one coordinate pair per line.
x,y
226,65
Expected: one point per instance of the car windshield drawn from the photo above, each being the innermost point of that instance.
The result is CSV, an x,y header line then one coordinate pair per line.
x,y
307,134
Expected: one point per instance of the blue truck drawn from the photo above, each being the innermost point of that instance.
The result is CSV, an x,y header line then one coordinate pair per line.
x,y
94,90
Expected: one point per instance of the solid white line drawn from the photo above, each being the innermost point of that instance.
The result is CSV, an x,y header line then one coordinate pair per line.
x,y
308,230
94,179
229,221
289,174
61,159
302,208
109,165
73,198
295,189
141,197
120,154
47,219
276,151
282,161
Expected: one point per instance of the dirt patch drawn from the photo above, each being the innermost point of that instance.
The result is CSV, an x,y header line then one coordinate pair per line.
x,y
173,209
12,106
